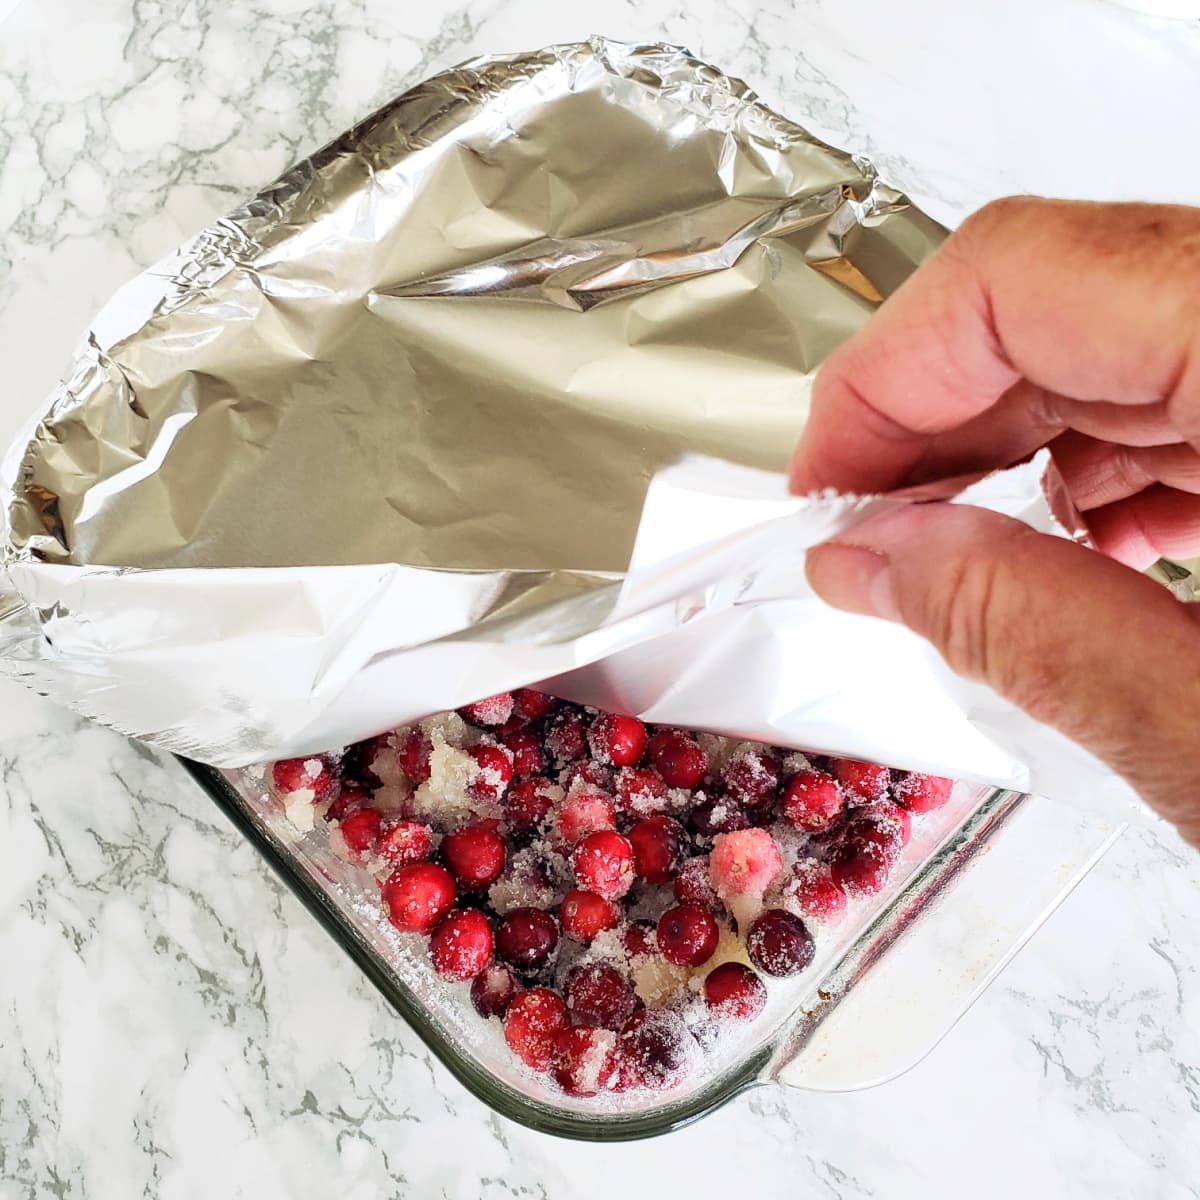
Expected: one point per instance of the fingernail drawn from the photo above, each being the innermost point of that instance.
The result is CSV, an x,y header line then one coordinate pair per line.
x,y
853,578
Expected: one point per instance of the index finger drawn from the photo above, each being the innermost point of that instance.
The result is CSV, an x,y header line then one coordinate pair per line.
x,y
1086,301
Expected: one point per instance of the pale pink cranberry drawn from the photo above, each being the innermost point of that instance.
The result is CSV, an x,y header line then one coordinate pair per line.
x,y
532,1023
734,993
639,939
566,736
751,777
811,799
313,774
526,752
584,915
584,810
814,891
694,885
640,792
418,896
923,793
531,704
616,739
603,863
360,830
779,943
585,1060
865,779
475,855
526,937
493,710
656,1050
687,935
495,771
744,863
658,848
402,841
678,758
492,990
711,817
461,944
598,994
527,803
413,756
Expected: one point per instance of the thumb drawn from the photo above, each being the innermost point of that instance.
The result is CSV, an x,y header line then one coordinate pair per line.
x,y
1078,641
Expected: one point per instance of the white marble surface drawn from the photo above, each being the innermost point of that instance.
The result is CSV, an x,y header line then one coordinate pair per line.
x,y
172,1024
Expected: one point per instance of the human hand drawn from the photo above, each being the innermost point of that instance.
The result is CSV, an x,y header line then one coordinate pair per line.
x,y
1038,323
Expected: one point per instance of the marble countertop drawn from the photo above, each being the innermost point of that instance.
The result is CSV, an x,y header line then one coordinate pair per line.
x,y
173,1023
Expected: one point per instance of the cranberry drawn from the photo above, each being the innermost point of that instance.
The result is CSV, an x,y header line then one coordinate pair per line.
x,y
475,855
533,1021
657,848
526,752
418,896
359,759
865,779
881,822
584,915
687,935
350,797
461,945
813,890
598,994
493,710
751,777
639,939
603,863
923,793
811,799
861,866
313,773
585,810
588,771
640,792
526,937
493,989
413,756
616,739
712,817
693,884
402,841
585,1060
734,992
495,771
656,1050
528,803
779,943
360,829
531,704
744,862
678,758
566,737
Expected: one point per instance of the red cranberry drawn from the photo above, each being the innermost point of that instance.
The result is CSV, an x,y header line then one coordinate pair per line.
x,y
461,945
657,848
640,792
493,710
779,943
656,1050
585,1060
495,771
533,1021
360,829
751,777
881,821
923,793
359,760
865,779
526,937
598,994
861,866
589,771
687,935
526,752
678,758
413,756
350,797
616,739
566,736
402,841
811,799
475,855
585,810
313,773
493,989
734,992
418,896
693,885
603,863
531,704
584,915
712,817
639,939
814,891
528,803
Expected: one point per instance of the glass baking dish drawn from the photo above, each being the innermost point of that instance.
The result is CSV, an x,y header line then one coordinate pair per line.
x,y
977,880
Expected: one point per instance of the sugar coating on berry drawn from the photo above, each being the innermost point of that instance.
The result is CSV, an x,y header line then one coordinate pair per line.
x,y
603,863
597,993
734,992
492,710
712,817
687,935
861,866
811,799
585,810
693,883
360,829
445,798
869,780
418,896
585,1060
616,739
524,883
402,841
922,793
751,776
526,937
657,1050
529,802
811,891
584,915
493,771
461,945
533,1021
641,792
475,855
656,980
526,752
678,758
566,736
492,990
779,943
532,704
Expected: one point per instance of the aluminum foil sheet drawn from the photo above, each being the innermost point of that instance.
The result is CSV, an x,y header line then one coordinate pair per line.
x,y
381,441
